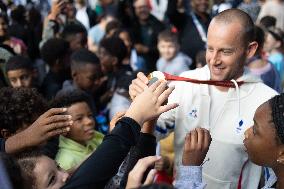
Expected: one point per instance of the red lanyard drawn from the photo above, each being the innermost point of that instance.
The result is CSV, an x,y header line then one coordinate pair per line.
x,y
230,84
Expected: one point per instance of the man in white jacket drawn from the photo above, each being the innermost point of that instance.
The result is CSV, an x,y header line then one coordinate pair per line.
x,y
225,112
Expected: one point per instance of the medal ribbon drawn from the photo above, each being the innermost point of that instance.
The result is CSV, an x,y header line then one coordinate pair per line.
x,y
228,84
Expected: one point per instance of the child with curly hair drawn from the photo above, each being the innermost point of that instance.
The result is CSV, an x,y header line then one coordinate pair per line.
x,y
82,139
26,121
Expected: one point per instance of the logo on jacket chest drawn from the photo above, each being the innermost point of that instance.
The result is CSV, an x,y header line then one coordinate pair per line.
x,y
193,113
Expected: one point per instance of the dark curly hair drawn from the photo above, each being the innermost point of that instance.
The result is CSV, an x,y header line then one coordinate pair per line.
x,y
277,107
54,49
19,106
18,62
70,98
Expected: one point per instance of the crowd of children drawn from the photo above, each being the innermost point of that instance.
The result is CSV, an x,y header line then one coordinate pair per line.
x,y
78,112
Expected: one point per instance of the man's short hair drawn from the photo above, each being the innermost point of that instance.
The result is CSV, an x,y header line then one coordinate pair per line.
x,y
259,38
18,62
54,49
82,57
168,36
232,16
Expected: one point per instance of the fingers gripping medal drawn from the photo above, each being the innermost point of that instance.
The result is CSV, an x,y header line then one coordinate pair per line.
x,y
156,76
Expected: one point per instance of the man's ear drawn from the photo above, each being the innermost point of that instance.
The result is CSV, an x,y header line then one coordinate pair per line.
x,y
252,47
5,133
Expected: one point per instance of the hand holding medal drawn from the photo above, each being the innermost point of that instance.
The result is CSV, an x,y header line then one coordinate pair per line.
x,y
141,82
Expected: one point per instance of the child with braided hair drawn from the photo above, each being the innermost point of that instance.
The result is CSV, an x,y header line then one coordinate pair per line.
x,y
264,141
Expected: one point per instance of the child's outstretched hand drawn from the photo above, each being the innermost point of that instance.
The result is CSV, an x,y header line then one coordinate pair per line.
x,y
135,176
49,124
196,146
149,104
115,119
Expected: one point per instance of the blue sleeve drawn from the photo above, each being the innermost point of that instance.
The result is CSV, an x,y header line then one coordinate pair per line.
x,y
189,177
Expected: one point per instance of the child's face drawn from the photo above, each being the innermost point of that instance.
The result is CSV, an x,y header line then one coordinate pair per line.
x,y
124,36
88,77
167,49
107,60
82,129
77,41
20,78
261,140
48,174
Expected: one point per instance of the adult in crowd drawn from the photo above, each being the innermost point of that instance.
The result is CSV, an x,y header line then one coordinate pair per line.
x,y
225,111
192,27
273,8
146,28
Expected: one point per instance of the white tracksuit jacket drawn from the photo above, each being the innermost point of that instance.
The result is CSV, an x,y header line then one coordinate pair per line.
x,y
226,152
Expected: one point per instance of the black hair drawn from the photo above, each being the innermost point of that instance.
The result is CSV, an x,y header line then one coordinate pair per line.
x,y
18,14
104,16
268,22
12,170
27,161
115,47
73,29
278,35
232,16
19,106
259,37
18,62
112,25
277,106
82,57
121,30
54,49
70,98
168,36
5,18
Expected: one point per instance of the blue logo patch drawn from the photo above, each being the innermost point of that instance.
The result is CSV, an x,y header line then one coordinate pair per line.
x,y
240,126
193,113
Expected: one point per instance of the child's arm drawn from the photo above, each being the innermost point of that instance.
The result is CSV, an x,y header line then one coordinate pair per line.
x,y
189,174
136,175
149,104
48,125
105,161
